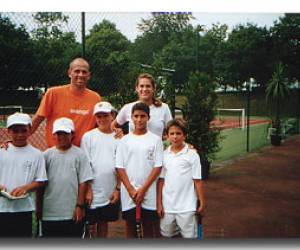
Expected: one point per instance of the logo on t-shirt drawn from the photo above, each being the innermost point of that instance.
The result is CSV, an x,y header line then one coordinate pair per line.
x,y
79,111
150,155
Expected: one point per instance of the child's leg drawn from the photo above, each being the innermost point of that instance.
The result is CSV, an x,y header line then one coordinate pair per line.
x,y
168,226
130,229
102,229
187,224
150,222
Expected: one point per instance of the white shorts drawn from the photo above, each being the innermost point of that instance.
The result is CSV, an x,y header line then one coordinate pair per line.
x,y
174,223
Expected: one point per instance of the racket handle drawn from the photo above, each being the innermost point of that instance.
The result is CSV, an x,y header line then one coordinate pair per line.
x,y
138,213
199,227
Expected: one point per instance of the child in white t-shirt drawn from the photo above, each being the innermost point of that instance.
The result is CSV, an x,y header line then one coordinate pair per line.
x,y
138,163
68,169
22,170
103,194
179,185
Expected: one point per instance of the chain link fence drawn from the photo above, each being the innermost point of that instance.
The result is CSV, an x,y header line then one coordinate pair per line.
x,y
36,49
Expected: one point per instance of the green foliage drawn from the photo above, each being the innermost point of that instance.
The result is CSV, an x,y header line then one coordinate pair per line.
x,y
277,91
107,50
245,55
54,49
199,110
16,56
285,35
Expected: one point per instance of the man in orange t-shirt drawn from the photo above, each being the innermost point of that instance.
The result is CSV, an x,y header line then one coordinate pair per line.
x,y
73,100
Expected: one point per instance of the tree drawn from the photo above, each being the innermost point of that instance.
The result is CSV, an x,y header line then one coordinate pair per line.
x,y
107,51
16,56
157,32
246,54
54,49
199,110
277,91
285,36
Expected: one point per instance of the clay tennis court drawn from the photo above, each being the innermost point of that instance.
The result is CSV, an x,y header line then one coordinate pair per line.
x,y
255,196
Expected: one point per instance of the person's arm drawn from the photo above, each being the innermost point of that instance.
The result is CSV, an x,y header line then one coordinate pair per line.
x,y
124,178
115,196
142,190
21,190
89,193
116,128
79,208
200,194
160,209
36,121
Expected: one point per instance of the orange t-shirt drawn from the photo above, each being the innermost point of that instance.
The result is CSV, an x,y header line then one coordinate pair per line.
x,y
61,101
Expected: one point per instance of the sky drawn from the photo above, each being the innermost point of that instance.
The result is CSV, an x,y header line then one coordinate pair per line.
x,y
127,14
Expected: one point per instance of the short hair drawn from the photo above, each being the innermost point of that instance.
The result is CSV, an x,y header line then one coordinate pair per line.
x,y
81,60
177,122
141,106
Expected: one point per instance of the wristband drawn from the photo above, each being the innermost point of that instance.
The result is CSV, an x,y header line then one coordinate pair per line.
x,y
80,205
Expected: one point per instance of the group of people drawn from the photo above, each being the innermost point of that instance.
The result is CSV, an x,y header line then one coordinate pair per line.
x,y
91,170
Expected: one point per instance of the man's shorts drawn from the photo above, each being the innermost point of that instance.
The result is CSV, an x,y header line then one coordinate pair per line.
x,y
106,213
146,215
173,224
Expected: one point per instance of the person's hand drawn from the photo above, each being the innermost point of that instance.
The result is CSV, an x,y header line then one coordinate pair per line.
x,y
160,210
140,196
132,193
119,133
89,197
115,197
5,144
18,191
78,214
200,210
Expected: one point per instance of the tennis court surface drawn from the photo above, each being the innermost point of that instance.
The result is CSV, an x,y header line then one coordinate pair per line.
x,y
257,196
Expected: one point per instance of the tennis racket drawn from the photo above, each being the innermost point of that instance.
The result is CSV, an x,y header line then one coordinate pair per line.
x,y
138,224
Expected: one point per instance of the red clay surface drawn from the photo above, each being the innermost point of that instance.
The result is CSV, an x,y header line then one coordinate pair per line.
x,y
234,123
256,196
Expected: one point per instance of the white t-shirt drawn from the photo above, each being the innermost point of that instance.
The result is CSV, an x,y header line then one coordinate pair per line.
x,y
138,155
159,117
179,170
65,170
100,149
20,166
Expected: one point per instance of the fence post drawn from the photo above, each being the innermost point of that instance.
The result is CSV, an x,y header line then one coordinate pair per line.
x,y
83,34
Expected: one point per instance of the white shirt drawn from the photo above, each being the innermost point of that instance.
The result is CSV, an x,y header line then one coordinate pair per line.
x,y
179,170
159,117
138,155
100,149
20,166
65,170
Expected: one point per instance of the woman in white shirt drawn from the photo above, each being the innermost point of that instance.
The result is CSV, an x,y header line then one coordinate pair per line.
x,y
160,113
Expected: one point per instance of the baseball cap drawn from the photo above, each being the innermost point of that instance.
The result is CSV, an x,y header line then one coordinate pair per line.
x,y
103,107
63,124
18,119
